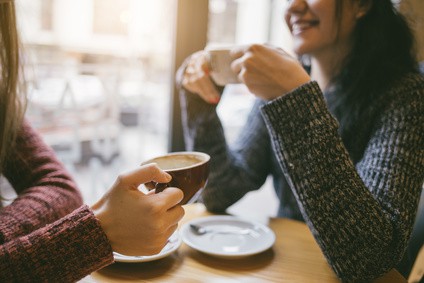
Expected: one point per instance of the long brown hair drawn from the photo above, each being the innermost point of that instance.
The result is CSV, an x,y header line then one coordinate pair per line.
x,y
11,106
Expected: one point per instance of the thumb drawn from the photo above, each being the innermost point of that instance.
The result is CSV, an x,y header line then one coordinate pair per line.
x,y
145,173
171,196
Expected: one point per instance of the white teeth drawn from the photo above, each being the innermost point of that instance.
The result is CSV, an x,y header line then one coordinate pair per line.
x,y
297,27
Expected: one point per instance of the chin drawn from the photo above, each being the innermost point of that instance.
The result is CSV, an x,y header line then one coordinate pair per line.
x,y
300,47
299,50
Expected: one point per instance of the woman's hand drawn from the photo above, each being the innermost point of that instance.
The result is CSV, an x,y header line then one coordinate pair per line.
x,y
268,72
137,223
196,78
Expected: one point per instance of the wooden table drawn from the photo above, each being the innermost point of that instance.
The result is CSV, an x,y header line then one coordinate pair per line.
x,y
295,257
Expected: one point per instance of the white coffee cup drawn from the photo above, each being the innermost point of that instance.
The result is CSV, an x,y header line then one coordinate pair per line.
x,y
220,66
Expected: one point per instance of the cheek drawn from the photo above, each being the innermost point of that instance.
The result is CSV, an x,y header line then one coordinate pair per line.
x,y
286,19
347,27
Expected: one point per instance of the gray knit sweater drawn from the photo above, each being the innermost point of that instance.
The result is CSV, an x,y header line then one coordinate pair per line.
x,y
360,213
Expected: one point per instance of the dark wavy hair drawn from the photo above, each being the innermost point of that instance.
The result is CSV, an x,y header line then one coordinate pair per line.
x,y
383,51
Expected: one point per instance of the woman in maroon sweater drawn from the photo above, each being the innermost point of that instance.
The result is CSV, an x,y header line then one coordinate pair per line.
x,y
46,234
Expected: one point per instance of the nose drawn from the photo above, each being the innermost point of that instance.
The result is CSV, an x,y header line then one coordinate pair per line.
x,y
296,6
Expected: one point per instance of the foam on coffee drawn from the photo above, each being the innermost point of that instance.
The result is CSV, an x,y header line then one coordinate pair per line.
x,y
176,161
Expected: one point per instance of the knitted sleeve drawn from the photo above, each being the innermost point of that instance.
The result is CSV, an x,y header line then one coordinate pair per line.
x,y
235,170
361,216
45,190
64,251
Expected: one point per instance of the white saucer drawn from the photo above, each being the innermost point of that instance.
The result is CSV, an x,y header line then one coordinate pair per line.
x,y
223,242
174,242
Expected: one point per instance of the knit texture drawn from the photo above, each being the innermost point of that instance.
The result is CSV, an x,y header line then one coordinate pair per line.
x,y
45,236
361,214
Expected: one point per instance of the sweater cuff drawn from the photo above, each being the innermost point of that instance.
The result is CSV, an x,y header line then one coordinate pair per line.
x,y
85,228
66,250
303,107
85,246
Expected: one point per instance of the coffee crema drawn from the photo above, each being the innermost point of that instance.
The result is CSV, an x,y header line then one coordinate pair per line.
x,y
172,162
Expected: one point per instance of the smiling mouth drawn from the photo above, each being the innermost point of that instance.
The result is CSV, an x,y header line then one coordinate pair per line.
x,y
300,27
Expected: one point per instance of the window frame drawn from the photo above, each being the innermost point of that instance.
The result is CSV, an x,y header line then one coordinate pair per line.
x,y
188,38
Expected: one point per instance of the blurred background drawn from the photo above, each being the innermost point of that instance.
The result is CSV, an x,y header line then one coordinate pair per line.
x,y
100,74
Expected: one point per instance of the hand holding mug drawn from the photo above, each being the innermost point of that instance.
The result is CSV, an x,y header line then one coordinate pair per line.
x,y
136,223
189,171
268,72
196,78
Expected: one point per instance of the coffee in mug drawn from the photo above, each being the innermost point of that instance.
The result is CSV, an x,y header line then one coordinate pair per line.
x,y
189,171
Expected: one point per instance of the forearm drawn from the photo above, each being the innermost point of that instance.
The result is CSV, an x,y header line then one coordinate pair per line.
x,y
46,191
203,132
235,170
65,251
34,209
358,236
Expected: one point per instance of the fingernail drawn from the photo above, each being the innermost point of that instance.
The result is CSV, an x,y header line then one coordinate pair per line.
x,y
215,100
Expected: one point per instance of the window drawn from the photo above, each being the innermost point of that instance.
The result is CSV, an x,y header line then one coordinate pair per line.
x,y
47,14
99,87
111,17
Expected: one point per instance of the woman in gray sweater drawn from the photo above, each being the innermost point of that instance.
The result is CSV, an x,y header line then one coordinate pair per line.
x,y
343,138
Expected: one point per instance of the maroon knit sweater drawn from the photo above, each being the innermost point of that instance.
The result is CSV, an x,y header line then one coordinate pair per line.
x,y
45,234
